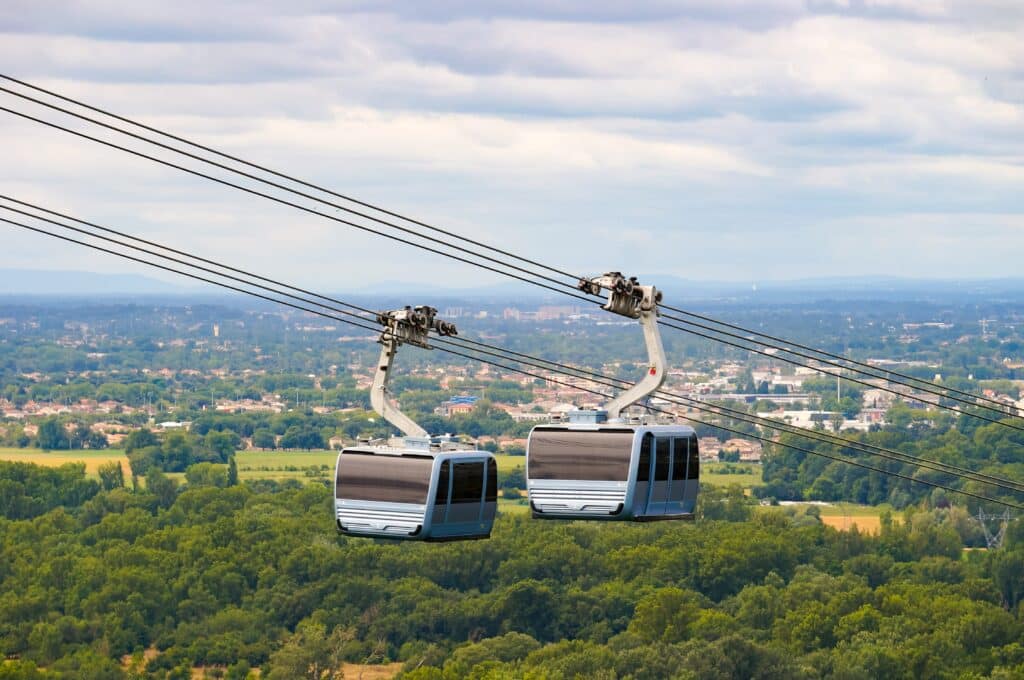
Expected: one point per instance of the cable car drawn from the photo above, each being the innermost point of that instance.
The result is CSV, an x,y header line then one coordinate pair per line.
x,y
417,494
601,465
635,472
415,487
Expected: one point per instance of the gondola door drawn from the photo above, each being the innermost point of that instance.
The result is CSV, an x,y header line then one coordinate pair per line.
x,y
642,492
660,480
491,497
680,460
443,494
467,492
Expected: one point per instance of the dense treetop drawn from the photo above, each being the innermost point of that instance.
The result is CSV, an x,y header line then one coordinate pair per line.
x,y
239,577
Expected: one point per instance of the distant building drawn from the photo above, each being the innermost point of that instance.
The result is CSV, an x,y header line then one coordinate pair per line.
x,y
792,383
750,452
528,416
804,418
878,398
709,448
457,405
873,415
173,425
553,312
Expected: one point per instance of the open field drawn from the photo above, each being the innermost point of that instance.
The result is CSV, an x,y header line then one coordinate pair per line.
x,y
276,465
710,473
508,463
92,459
856,510
845,516
355,671
865,525
513,507
308,465
254,460
350,670
257,459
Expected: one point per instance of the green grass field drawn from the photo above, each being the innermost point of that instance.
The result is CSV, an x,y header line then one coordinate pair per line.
x,y
510,507
254,460
277,465
308,465
712,473
855,510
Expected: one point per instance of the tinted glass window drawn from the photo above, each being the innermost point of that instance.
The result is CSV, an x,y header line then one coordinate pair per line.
x,y
467,482
586,455
661,459
392,479
441,497
492,481
679,458
643,470
694,471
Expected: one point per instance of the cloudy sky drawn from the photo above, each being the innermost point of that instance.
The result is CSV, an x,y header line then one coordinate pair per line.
x,y
713,140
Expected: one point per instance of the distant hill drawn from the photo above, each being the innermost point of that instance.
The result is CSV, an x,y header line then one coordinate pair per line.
x,y
43,282
837,288
22,282
676,288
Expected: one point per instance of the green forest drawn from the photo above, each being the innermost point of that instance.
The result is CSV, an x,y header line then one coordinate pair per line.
x,y
988,448
178,570
153,581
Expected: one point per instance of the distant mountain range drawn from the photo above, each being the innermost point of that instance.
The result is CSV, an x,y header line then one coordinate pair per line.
x,y
29,282
58,282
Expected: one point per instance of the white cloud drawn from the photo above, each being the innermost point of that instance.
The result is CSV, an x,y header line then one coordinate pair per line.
x,y
575,131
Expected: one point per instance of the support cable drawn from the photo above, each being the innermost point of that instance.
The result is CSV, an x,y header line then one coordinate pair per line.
x,y
788,350
720,411
290,178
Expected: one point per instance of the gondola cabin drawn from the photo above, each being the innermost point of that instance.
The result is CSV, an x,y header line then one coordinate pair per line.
x,y
415,494
613,471
601,464
420,487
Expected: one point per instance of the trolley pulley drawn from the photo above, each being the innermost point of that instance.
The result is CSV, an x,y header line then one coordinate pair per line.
x,y
628,298
409,325
625,296
412,325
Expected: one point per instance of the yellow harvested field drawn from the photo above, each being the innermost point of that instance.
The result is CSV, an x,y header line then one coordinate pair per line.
x,y
355,671
865,525
92,459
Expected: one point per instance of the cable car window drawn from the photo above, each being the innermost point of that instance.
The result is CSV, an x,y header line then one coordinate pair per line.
x,y
441,497
492,481
661,460
643,470
467,482
390,479
580,454
694,470
680,456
